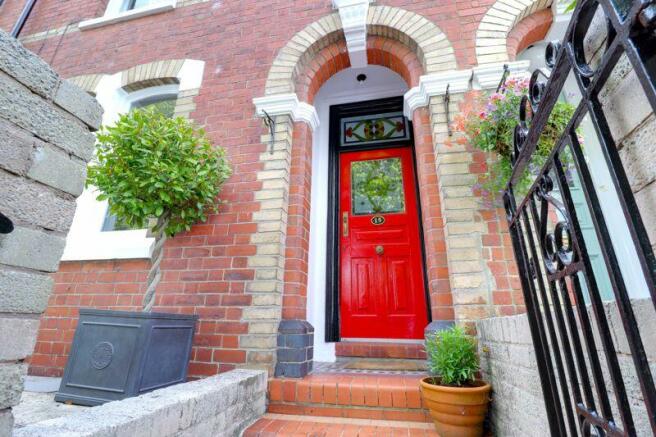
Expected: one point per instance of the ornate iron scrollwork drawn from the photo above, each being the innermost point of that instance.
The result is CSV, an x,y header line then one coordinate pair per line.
x,y
562,288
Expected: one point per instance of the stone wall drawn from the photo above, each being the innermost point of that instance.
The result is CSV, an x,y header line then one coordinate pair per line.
x,y
222,405
508,362
46,141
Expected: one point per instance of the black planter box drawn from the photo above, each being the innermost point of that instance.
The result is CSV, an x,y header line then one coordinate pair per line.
x,y
120,354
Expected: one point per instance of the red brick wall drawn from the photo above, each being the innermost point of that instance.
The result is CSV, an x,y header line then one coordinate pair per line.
x,y
117,285
294,300
205,271
437,270
507,298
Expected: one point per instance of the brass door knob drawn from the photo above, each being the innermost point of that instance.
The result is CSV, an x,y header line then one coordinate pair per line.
x,y
380,250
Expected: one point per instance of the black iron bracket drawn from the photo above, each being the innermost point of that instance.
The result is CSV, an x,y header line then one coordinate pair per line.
x,y
271,124
504,76
447,99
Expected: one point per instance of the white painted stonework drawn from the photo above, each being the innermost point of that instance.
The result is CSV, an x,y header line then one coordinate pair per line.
x,y
459,81
353,14
435,84
488,76
287,104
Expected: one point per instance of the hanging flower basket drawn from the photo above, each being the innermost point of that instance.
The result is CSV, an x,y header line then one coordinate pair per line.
x,y
488,122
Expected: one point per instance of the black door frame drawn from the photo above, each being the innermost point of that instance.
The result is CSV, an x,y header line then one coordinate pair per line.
x,y
337,112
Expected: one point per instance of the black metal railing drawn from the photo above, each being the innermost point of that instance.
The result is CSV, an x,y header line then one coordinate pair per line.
x,y
566,249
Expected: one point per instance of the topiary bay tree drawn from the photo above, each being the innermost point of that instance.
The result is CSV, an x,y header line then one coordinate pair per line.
x,y
157,172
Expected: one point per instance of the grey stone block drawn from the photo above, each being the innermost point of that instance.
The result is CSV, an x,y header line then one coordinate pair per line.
x,y
27,202
11,383
58,170
26,67
17,338
295,327
297,340
23,292
16,148
293,370
638,145
6,422
292,355
42,384
31,249
79,103
33,113
295,348
221,405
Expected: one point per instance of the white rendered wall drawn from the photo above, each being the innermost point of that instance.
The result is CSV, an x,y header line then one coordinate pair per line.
x,y
341,88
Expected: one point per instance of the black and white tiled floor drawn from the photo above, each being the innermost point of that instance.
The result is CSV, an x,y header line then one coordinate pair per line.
x,y
339,366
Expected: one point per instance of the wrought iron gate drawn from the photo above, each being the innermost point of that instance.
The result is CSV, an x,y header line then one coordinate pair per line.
x,y
571,251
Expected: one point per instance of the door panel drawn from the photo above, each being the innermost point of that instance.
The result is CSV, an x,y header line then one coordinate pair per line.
x,y
400,283
382,291
362,280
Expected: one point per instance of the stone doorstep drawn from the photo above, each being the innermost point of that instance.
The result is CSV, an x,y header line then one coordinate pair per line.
x,y
358,396
284,425
372,349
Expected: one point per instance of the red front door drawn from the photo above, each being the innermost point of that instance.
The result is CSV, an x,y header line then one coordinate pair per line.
x,y
381,277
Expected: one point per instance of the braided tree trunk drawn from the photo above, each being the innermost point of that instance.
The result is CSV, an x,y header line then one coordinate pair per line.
x,y
154,275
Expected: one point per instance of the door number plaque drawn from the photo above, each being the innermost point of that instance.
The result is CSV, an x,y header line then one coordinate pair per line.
x,y
377,220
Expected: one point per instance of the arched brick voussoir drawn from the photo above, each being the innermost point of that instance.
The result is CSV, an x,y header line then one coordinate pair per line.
x,y
332,59
303,46
529,31
88,82
151,74
420,35
494,28
432,47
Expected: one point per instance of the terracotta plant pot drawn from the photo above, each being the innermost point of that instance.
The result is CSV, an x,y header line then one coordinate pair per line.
x,y
457,411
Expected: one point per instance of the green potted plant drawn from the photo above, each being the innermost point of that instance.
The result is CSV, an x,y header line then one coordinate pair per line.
x,y
158,172
457,401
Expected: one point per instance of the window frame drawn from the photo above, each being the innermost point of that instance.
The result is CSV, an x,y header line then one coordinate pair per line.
x,y
87,240
119,10
143,97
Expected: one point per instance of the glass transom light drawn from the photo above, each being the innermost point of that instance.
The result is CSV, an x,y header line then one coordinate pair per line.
x,y
377,128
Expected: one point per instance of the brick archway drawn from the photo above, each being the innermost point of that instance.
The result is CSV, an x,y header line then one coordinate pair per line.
x,y
400,40
318,69
418,34
334,58
492,36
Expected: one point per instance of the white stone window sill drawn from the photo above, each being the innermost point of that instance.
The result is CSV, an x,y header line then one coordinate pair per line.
x,y
155,8
108,245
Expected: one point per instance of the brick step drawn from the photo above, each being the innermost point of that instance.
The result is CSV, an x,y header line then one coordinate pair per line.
x,y
361,396
373,349
287,425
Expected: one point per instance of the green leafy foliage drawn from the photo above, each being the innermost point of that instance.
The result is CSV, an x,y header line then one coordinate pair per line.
x,y
152,166
489,125
377,186
452,357
571,6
